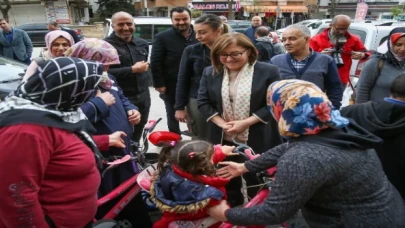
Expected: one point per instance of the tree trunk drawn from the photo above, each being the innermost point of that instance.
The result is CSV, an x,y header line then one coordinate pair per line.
x,y
5,10
230,10
332,8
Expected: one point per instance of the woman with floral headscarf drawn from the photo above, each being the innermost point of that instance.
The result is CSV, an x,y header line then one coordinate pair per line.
x,y
325,168
380,71
47,157
57,42
109,110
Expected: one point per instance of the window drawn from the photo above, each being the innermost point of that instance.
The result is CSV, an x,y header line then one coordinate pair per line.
x,y
144,32
160,28
383,40
361,34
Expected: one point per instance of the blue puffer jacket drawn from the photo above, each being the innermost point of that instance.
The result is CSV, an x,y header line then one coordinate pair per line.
x,y
108,120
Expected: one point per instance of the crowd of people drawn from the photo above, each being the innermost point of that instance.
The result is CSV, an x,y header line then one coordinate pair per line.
x,y
82,100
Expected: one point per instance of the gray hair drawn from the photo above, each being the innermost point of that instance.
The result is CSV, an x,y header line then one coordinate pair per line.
x,y
338,17
303,29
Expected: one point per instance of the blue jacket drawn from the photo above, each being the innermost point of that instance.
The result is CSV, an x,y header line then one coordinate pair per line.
x,y
108,120
319,69
250,32
21,46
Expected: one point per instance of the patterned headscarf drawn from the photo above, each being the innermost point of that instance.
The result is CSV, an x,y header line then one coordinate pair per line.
x,y
301,108
50,37
96,50
61,84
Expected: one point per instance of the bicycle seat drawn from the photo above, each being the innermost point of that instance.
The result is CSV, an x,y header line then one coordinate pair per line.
x,y
144,178
201,223
160,138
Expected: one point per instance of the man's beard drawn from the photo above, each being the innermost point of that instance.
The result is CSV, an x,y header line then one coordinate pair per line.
x,y
334,38
183,29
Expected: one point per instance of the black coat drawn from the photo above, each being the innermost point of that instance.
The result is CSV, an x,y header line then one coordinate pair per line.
x,y
195,58
387,121
262,135
167,49
133,84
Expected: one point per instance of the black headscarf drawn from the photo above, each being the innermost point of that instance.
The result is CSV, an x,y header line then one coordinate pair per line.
x,y
52,97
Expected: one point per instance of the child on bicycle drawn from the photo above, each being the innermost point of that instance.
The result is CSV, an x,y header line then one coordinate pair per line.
x,y
186,185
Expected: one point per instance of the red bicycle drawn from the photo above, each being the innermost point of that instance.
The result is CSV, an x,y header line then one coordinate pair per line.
x,y
130,187
144,181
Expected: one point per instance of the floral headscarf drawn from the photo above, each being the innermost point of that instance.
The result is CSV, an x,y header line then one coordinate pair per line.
x,y
301,108
96,50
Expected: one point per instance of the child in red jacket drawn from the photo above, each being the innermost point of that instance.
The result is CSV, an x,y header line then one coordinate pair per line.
x,y
186,186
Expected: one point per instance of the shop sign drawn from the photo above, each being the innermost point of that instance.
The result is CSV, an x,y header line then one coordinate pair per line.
x,y
212,6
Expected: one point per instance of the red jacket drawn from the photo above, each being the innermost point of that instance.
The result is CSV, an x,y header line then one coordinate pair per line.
x,y
48,171
216,182
321,41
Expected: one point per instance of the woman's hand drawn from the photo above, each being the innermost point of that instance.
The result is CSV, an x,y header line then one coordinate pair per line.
x,y
231,170
228,150
116,140
235,127
218,212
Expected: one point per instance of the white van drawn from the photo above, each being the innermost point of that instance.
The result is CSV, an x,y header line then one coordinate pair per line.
x,y
312,24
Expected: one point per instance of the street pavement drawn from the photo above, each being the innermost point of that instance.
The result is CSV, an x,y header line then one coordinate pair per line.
x,y
157,111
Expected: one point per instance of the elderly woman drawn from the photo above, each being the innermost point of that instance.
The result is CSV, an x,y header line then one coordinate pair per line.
x,y
325,168
381,70
49,170
57,42
232,98
109,110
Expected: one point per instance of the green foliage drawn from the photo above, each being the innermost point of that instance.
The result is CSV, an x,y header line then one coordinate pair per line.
x,y
108,7
396,11
196,13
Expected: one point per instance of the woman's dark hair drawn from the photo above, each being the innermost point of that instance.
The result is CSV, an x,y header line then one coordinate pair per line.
x,y
180,9
213,21
397,87
191,156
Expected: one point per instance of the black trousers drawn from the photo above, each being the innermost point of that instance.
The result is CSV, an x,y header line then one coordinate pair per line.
x,y
234,187
170,98
143,103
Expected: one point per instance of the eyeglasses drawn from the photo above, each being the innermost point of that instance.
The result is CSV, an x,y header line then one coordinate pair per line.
x,y
233,55
340,29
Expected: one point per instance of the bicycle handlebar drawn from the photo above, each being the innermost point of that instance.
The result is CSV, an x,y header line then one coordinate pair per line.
x,y
151,125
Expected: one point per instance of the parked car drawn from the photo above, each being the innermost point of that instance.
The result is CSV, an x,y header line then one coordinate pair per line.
x,y
239,25
312,24
37,33
11,74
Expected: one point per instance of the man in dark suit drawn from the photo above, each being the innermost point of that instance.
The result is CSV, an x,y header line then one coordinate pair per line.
x,y
167,49
15,43
55,26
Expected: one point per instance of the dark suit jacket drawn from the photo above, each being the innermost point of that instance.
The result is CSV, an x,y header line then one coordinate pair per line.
x,y
21,46
262,135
